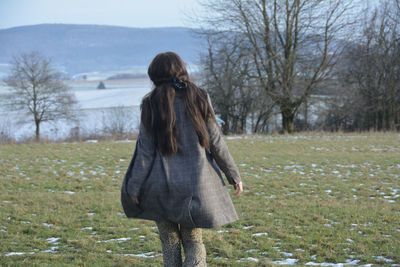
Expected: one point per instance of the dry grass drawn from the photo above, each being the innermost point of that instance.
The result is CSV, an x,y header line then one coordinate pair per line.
x,y
332,198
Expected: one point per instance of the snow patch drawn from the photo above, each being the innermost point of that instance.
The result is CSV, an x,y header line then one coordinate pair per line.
x,y
119,240
17,253
286,262
259,234
143,255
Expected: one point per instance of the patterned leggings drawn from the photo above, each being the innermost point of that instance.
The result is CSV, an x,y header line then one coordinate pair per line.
x,y
171,235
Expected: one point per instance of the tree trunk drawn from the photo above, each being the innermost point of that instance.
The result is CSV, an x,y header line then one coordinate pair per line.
x,y
243,125
252,122
37,131
305,115
287,121
255,128
226,125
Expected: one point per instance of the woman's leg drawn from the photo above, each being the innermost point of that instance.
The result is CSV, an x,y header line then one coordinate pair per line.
x,y
171,243
195,252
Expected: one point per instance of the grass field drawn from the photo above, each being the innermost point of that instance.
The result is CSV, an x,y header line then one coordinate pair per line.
x,y
309,199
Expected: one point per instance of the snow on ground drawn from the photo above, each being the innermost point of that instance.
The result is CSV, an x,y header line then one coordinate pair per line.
x,y
93,105
106,98
150,254
118,240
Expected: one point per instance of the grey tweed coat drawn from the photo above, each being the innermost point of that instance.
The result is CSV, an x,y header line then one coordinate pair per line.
x,y
187,187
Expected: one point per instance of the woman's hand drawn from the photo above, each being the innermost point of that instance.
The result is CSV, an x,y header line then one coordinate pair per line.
x,y
239,188
135,200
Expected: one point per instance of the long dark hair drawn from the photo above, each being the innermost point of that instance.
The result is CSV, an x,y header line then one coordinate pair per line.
x,y
157,108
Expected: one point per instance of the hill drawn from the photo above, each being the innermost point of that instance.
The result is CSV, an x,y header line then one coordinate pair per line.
x,y
80,48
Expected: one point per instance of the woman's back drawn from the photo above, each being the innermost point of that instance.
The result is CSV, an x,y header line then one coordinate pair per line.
x,y
173,177
186,187
174,173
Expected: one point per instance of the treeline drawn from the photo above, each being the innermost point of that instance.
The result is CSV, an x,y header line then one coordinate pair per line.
x,y
326,65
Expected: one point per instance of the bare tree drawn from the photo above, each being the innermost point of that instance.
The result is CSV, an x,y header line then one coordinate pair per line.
x,y
372,73
38,90
226,78
292,43
6,130
118,122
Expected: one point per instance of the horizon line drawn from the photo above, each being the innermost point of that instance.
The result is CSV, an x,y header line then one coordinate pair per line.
x,y
86,24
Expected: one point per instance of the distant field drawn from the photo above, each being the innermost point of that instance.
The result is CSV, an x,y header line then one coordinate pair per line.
x,y
92,104
309,199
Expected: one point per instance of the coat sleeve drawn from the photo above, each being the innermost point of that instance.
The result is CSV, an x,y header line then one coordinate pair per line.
x,y
145,154
219,150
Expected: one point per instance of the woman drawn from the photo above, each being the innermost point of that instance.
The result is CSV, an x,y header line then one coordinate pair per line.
x,y
174,176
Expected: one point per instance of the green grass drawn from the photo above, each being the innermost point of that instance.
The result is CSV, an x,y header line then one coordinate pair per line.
x,y
314,198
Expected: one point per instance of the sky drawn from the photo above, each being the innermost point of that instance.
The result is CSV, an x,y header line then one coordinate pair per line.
x,y
131,13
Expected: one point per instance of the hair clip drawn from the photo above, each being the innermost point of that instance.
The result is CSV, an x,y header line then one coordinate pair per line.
x,y
177,84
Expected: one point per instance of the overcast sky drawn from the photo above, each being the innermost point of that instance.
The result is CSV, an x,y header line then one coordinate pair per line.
x,y
131,13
